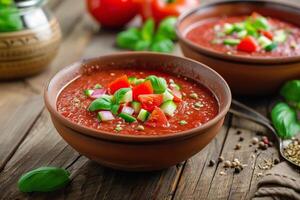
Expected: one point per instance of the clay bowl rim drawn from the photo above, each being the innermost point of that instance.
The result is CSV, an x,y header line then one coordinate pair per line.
x,y
134,138
236,58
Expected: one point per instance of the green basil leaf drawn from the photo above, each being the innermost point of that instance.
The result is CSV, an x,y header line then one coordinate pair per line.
x,y
128,38
291,91
120,95
165,45
142,45
147,31
261,23
103,103
167,28
44,179
159,84
284,119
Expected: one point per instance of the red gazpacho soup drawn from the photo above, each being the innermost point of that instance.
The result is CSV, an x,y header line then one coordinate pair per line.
x,y
137,102
253,35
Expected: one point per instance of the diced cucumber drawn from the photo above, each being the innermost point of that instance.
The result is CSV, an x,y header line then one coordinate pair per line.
x,y
242,34
261,23
239,27
228,28
271,46
280,36
127,117
264,41
136,106
105,116
128,110
115,109
231,42
169,108
175,86
88,93
167,96
143,115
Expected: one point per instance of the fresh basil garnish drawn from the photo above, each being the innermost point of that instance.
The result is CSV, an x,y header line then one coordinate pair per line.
x,y
159,84
291,91
284,119
44,179
103,103
120,95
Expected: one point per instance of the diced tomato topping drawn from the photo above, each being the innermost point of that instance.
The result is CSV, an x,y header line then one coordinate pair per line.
x,y
248,44
150,101
157,118
267,34
121,82
143,88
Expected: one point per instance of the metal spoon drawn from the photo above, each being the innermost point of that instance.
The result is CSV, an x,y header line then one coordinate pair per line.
x,y
246,112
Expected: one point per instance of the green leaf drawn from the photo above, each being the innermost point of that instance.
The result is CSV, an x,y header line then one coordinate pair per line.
x,y
44,179
165,45
291,91
120,94
103,103
147,31
159,84
166,28
284,119
261,23
127,39
142,45
6,2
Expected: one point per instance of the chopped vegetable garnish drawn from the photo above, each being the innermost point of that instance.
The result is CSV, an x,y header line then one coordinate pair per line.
x,y
182,122
105,116
123,95
248,44
102,103
98,86
169,108
150,101
127,117
157,118
143,88
194,95
121,82
159,84
143,115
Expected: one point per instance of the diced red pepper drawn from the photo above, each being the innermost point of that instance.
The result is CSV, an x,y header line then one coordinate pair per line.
x,y
248,44
143,88
150,101
157,118
267,34
121,82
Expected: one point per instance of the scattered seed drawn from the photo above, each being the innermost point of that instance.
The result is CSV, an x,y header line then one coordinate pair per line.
x,y
221,159
118,128
237,147
234,164
237,161
98,86
265,139
182,122
262,145
211,163
241,139
222,173
198,105
238,132
140,128
292,151
112,74
254,140
237,170
194,95
227,164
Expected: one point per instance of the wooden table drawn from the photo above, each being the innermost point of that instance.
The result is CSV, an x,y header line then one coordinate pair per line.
x,y
28,139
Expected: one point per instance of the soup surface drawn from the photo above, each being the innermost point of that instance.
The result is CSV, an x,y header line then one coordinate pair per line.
x,y
253,35
136,102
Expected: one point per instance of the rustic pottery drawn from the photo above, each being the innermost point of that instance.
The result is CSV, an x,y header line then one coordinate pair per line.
x,y
136,152
29,50
245,75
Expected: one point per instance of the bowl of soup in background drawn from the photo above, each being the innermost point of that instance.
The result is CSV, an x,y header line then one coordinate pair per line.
x,y
251,74
138,152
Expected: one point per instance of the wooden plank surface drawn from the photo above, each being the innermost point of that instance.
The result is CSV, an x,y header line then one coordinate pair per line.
x,y
29,140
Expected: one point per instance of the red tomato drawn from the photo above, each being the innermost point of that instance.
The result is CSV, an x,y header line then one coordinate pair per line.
x,y
143,88
121,82
267,34
157,118
248,44
150,101
112,13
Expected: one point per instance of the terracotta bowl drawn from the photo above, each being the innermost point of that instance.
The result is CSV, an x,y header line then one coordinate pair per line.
x,y
245,75
139,153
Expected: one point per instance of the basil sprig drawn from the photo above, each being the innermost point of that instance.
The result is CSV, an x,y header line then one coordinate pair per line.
x,y
291,91
284,119
103,103
44,179
146,38
159,84
120,94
